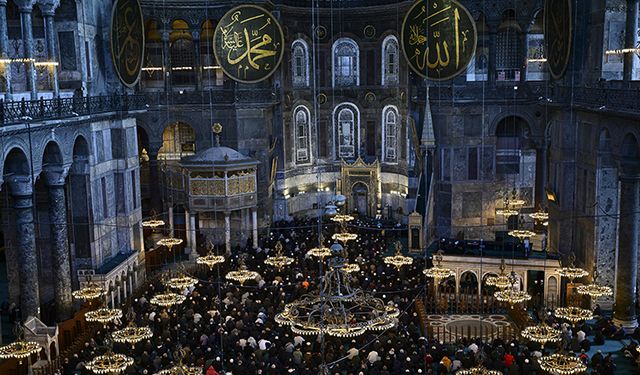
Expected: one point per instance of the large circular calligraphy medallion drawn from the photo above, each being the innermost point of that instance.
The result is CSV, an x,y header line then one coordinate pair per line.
x,y
248,44
558,29
127,40
438,38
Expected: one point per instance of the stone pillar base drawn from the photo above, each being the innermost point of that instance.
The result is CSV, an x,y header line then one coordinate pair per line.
x,y
628,325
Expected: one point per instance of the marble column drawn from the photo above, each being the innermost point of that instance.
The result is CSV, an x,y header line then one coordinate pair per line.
x,y
227,232
194,239
187,228
166,61
154,185
48,12
171,228
630,37
4,49
55,180
624,313
26,7
22,192
254,219
196,54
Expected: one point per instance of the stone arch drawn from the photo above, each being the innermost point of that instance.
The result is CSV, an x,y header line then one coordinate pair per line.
x,y
81,147
16,163
52,155
468,281
630,149
604,141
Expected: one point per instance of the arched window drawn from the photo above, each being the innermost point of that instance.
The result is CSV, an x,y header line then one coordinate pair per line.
x,y
346,64
302,120
300,63
346,119
390,121
509,52
390,61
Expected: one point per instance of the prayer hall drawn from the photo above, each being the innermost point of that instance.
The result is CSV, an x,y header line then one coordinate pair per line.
x,y
319,187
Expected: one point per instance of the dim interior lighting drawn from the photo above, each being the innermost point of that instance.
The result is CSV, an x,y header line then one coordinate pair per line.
x,y
110,363
46,63
181,282
169,242
17,60
182,68
242,274
210,259
151,69
168,299
351,268
572,272
181,370
153,223
19,349
89,292
132,335
512,295
542,333
573,314
501,281
540,60
103,315
211,67
479,370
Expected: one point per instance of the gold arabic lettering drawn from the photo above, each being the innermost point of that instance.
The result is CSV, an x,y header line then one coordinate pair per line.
x,y
127,27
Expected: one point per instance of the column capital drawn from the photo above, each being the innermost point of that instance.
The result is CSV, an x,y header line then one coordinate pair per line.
x,y
19,185
48,7
55,175
25,6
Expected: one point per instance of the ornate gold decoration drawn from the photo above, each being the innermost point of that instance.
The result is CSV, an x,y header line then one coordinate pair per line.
x,y
127,41
279,260
181,282
217,128
542,334
168,299
438,41
89,292
540,216
132,335
242,274
479,370
560,364
398,260
103,315
438,272
501,281
152,223
521,234
248,44
512,295
351,268
181,370
210,259
320,251
20,348
595,290
169,242
341,218
110,363
572,272
506,212
338,310
573,314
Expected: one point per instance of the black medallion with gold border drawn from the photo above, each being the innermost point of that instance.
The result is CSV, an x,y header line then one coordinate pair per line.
x,y
438,38
248,44
127,40
558,30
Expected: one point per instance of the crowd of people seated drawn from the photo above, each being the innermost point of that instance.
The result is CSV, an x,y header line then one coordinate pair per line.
x,y
225,328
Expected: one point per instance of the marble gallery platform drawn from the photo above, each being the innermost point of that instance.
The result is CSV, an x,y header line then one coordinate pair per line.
x,y
450,328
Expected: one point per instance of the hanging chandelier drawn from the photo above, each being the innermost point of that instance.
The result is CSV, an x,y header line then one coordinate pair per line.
x,y
542,333
168,299
560,364
512,295
351,268
242,274
572,272
153,223
320,251
103,315
507,209
109,363
479,370
398,260
181,370
132,335
181,282
595,290
502,280
521,234
515,201
438,272
342,218
169,242
280,260
89,292
19,349
210,259
337,309
540,215
573,314
344,236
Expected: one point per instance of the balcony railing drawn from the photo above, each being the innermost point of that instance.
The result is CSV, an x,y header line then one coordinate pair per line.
x,y
16,112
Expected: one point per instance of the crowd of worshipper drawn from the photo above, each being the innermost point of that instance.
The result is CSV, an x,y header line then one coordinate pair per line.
x,y
225,328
